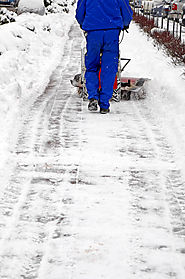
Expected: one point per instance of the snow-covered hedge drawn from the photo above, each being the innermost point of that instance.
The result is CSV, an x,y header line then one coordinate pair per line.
x,y
36,6
162,38
6,16
57,6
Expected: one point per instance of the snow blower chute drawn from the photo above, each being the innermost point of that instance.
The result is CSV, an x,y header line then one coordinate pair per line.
x,y
125,88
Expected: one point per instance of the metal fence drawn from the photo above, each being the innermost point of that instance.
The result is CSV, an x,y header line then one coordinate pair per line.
x,y
171,25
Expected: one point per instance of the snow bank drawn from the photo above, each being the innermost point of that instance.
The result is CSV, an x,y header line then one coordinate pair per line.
x,y
30,49
31,6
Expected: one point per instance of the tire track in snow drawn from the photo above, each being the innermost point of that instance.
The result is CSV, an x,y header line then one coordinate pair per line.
x,y
162,205
174,176
33,213
92,196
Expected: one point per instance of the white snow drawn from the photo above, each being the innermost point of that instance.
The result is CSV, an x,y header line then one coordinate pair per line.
x,y
31,6
89,196
166,97
27,60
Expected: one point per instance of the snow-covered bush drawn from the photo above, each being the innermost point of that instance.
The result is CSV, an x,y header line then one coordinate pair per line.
x,y
6,16
31,6
56,6
173,46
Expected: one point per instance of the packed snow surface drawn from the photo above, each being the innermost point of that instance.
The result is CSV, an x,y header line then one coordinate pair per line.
x,y
85,195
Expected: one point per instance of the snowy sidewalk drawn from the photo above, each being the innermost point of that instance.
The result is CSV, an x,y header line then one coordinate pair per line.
x,y
91,196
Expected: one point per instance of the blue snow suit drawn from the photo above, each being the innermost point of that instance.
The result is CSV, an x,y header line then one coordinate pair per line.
x,y
102,20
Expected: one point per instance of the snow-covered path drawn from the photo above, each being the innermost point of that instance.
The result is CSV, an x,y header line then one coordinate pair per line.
x,y
91,196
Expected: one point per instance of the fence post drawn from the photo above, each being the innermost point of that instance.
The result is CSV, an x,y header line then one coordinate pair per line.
x,y
177,29
167,24
173,27
162,22
147,7
158,21
180,36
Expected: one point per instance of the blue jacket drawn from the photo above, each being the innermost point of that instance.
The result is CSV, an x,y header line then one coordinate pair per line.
x,y
103,14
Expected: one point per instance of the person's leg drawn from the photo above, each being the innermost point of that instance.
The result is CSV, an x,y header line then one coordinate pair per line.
x,y
109,65
92,63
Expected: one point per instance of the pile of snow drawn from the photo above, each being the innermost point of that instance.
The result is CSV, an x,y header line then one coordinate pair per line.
x,y
7,16
31,6
30,49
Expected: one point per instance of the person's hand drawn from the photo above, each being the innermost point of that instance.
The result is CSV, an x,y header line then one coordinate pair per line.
x,y
85,33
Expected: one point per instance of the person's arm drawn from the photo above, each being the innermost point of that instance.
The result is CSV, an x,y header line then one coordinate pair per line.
x,y
80,11
126,12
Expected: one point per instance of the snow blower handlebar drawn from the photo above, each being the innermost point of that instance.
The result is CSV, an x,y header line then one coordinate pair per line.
x,y
125,29
126,63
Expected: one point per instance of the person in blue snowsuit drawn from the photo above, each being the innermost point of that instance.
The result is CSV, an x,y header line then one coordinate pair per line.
x,y
102,20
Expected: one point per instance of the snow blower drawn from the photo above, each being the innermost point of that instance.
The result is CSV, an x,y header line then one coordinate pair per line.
x,y
125,88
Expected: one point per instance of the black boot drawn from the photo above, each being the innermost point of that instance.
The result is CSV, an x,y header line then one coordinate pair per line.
x,y
104,111
93,105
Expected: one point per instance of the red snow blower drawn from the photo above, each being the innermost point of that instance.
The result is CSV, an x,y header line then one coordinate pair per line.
x,y
125,88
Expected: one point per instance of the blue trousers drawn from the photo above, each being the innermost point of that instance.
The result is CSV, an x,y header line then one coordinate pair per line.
x,y
107,43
